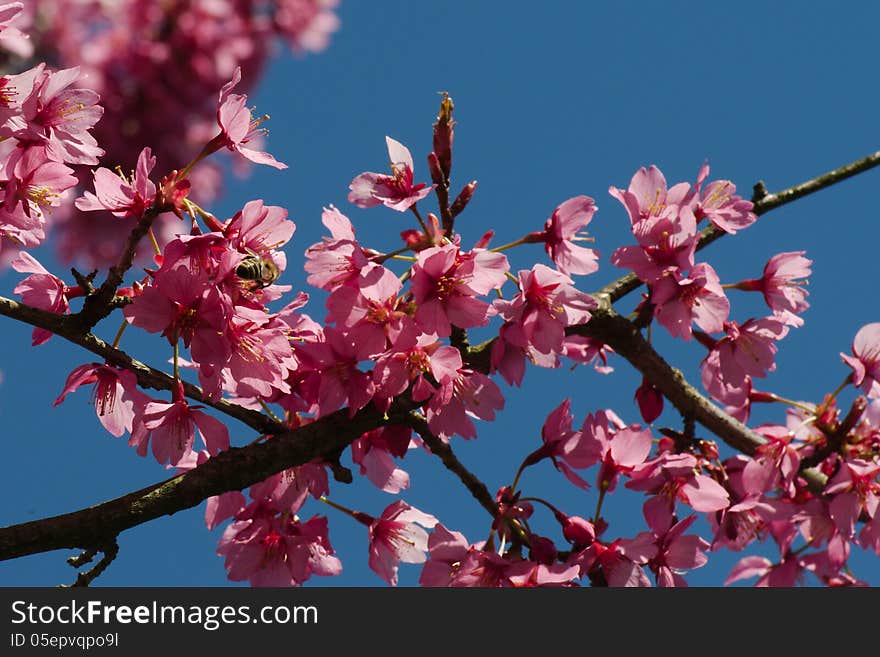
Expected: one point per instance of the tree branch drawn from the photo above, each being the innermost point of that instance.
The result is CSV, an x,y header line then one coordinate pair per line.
x,y
235,469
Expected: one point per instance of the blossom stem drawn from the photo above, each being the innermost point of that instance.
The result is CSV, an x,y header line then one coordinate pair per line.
x,y
602,490
119,333
790,402
424,226
382,257
509,245
357,515
269,411
176,371
404,258
153,241
843,384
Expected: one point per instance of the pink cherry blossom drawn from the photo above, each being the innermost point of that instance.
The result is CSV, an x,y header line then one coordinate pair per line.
x,y
8,13
172,427
865,361
59,117
398,535
446,551
337,260
34,182
396,191
412,357
617,447
719,202
334,378
561,231
672,476
545,305
699,299
855,491
745,351
116,396
446,282
648,196
238,127
270,549
666,245
373,453
783,283
42,290
306,24
288,490
372,304
467,395
665,549
120,196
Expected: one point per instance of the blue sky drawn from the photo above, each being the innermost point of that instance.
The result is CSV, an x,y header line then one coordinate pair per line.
x,y
551,102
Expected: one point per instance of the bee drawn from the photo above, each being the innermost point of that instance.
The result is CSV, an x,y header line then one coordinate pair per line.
x,y
260,269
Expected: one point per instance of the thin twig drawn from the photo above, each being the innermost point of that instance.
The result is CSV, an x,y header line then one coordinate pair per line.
x,y
764,202
477,488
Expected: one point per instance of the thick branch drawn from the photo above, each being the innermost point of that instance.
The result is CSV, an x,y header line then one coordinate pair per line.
x,y
619,333
764,202
234,469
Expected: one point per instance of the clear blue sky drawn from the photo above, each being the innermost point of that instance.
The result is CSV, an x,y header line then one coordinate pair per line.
x,y
552,101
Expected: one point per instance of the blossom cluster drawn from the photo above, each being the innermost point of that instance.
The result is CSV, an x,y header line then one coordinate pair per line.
x,y
157,66
394,331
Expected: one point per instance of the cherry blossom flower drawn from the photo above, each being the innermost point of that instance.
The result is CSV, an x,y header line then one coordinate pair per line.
x,y
120,196
270,549
672,476
724,208
373,305
468,394
783,283
698,299
42,290
172,427
411,358
59,117
396,191
338,260
865,361
619,448
116,396
334,378
35,183
561,231
306,24
746,350
446,551
288,490
545,305
666,245
238,127
647,195
398,535
446,282
665,549
373,452
8,13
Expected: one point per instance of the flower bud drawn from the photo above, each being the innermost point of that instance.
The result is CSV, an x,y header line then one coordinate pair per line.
x,y
463,198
